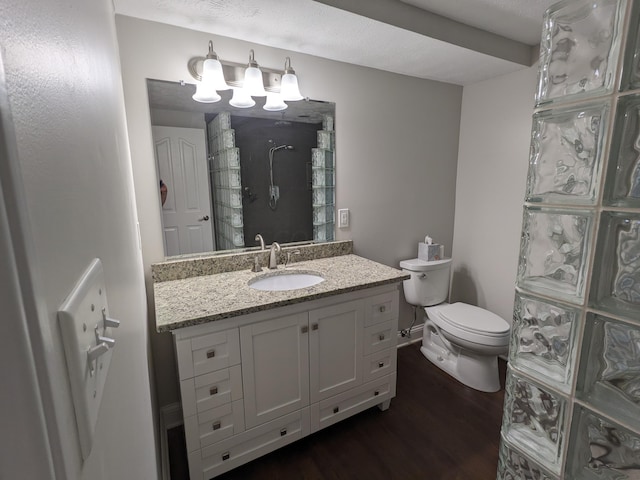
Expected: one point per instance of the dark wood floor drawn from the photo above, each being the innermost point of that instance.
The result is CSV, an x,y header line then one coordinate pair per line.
x,y
435,429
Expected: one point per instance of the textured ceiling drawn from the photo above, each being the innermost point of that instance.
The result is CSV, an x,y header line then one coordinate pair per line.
x,y
391,35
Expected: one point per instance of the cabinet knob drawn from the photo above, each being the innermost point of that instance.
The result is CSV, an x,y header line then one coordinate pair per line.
x,y
376,393
382,308
211,353
314,326
213,390
381,337
304,329
336,409
216,425
283,431
226,456
380,364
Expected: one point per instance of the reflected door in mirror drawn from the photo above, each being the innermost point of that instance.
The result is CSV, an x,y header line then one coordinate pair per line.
x,y
182,166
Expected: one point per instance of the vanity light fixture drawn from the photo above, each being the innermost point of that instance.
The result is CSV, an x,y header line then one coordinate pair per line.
x,y
246,80
289,89
253,83
212,79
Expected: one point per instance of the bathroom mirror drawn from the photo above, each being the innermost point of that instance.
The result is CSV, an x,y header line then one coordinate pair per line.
x,y
226,174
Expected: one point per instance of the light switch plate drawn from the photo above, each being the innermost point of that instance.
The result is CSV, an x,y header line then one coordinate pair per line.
x,y
343,218
81,316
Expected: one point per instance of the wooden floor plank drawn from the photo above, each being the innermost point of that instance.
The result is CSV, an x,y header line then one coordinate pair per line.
x,y
435,429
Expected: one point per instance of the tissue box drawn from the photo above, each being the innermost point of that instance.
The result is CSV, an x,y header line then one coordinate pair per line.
x,y
429,251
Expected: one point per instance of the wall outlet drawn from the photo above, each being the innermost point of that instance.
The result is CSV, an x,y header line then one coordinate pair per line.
x,y
343,218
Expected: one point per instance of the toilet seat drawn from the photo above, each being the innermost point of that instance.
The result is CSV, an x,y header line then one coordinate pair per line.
x,y
470,323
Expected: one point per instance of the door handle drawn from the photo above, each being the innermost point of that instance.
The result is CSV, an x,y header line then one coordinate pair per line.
x,y
204,219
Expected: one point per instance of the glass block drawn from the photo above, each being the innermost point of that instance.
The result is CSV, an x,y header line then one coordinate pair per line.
x,y
579,49
631,69
323,232
543,340
322,196
321,177
533,420
323,214
616,277
225,139
600,449
327,122
566,154
513,465
326,140
609,377
321,158
554,251
622,188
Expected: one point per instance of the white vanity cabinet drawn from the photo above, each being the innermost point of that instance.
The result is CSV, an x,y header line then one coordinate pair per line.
x,y
253,383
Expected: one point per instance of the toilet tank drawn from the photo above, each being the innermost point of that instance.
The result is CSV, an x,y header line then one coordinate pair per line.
x,y
429,282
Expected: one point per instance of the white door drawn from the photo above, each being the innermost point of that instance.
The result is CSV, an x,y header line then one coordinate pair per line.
x,y
275,368
186,214
335,349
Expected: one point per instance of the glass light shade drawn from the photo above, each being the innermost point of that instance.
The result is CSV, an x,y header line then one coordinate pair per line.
x,y
253,83
274,103
241,99
205,93
289,88
213,75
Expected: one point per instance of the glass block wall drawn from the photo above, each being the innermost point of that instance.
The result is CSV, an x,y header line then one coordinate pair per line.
x,y
323,182
572,399
226,182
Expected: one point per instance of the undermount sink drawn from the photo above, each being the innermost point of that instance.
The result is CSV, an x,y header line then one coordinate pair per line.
x,y
281,281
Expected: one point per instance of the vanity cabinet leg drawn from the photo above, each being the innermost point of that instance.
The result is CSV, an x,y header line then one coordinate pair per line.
x,y
384,405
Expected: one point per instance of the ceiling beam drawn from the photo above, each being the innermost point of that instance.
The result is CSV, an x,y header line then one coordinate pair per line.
x,y
417,20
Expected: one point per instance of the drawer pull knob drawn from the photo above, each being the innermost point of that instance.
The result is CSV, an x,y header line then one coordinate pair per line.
x,y
213,390
380,364
226,456
381,337
376,393
211,353
304,329
283,431
217,425
314,326
382,308
336,409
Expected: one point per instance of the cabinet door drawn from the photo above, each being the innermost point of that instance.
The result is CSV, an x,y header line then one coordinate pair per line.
x,y
275,366
335,349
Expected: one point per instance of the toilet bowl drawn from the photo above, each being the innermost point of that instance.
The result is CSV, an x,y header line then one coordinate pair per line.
x,y
461,339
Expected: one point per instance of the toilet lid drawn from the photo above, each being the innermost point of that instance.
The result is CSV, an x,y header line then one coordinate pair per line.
x,y
474,320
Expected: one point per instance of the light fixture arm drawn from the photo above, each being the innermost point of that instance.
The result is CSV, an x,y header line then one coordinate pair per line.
x,y
287,66
211,53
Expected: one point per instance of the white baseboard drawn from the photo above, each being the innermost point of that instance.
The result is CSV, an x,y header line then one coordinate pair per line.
x,y
170,417
415,335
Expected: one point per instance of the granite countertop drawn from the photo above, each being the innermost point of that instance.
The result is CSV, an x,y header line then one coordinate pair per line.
x,y
202,299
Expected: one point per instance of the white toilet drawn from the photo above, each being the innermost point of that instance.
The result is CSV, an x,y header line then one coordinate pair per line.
x,y
461,339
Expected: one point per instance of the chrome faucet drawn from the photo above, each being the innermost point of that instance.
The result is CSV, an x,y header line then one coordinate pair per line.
x,y
289,255
261,240
273,258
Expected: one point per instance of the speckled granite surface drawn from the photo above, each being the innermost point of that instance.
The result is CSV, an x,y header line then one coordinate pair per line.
x,y
206,298
188,266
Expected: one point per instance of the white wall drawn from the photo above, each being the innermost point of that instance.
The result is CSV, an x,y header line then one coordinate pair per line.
x,y
65,92
396,143
495,129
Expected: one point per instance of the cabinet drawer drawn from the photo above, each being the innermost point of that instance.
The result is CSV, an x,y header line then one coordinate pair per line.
x,y
380,308
211,390
213,425
207,353
335,409
227,454
379,364
379,337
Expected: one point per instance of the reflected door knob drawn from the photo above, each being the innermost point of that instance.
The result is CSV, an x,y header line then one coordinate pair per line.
x,y
204,219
